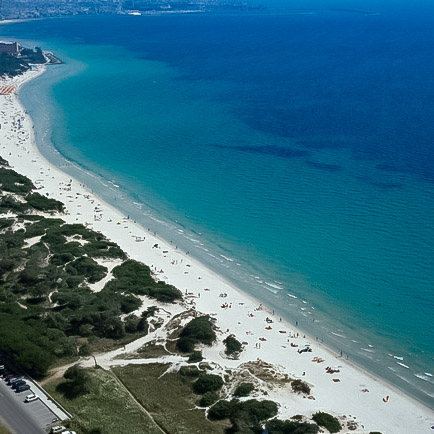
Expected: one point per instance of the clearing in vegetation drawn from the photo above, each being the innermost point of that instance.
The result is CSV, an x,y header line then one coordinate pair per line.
x,y
168,397
106,406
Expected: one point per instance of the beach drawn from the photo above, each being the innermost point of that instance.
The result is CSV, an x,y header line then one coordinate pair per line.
x,y
345,390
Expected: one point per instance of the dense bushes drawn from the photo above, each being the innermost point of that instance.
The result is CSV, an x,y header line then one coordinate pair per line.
x,y
300,386
198,330
207,383
244,389
13,182
208,398
78,382
50,278
276,426
222,410
327,421
136,278
43,203
249,413
9,204
195,357
189,371
28,342
87,268
233,346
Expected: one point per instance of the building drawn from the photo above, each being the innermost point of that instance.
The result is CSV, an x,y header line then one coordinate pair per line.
x,y
9,48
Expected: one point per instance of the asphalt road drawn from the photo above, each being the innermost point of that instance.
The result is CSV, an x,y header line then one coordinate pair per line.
x,y
14,414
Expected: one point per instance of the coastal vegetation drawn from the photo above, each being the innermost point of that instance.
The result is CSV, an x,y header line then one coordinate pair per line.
x,y
300,386
244,415
78,382
89,415
233,346
48,310
207,383
208,399
276,426
244,389
4,430
327,421
172,403
136,278
198,330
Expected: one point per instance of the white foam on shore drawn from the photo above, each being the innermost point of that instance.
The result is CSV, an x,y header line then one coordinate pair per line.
x,y
338,335
227,258
274,285
402,364
427,378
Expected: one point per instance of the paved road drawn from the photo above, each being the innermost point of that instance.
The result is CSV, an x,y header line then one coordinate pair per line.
x,y
15,415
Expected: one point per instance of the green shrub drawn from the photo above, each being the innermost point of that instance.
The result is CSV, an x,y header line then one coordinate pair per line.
x,y
186,344
130,303
78,384
300,386
195,357
61,258
256,411
14,182
164,292
209,398
249,413
207,383
43,203
84,350
9,204
136,278
6,265
244,389
6,223
233,346
222,410
189,371
276,426
198,330
327,421
88,268
131,323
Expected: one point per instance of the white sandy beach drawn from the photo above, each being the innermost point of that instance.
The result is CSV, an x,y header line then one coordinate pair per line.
x,y
203,289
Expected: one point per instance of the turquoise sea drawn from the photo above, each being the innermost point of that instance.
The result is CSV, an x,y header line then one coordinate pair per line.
x,y
291,151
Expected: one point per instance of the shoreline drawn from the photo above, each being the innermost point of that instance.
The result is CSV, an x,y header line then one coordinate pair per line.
x,y
248,267
197,277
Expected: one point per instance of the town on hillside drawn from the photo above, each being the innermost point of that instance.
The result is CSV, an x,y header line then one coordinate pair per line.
x,y
25,9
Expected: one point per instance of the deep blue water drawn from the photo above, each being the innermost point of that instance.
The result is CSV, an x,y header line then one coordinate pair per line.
x,y
291,152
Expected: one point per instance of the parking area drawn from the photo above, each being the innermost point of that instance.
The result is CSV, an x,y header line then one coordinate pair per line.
x,y
39,411
23,417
